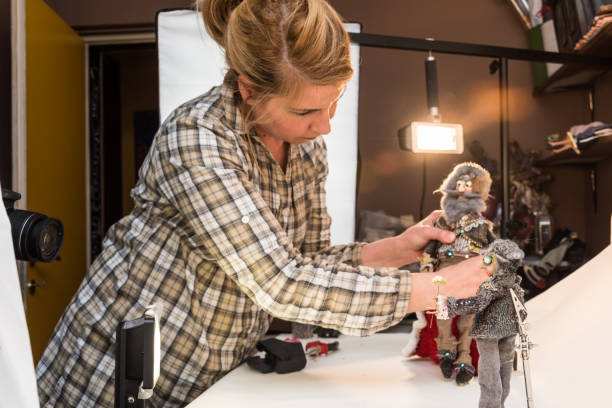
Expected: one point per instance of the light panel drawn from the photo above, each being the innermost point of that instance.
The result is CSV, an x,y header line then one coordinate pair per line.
x,y
432,137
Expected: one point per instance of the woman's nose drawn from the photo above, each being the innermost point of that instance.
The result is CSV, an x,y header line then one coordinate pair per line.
x,y
322,124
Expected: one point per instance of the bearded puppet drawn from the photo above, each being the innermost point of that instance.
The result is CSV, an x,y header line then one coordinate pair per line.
x,y
464,194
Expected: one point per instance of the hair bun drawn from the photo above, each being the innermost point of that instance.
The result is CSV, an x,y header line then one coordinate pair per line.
x,y
216,14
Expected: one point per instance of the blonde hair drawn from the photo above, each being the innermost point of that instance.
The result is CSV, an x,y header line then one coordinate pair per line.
x,y
278,45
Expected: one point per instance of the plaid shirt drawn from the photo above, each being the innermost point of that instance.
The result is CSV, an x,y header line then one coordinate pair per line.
x,y
224,244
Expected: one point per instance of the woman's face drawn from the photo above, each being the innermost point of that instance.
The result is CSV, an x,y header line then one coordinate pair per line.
x,y
300,119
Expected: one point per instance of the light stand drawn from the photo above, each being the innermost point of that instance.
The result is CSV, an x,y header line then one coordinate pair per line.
x,y
432,136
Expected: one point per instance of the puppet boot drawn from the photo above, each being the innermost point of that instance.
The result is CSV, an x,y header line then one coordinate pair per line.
x,y
446,360
465,373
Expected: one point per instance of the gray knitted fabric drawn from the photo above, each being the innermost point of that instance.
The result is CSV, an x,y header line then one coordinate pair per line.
x,y
495,370
495,315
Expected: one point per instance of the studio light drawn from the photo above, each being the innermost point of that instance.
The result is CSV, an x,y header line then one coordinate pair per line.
x,y
433,136
137,359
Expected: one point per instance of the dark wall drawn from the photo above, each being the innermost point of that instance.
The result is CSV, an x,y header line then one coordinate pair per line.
x,y
5,93
392,94
111,12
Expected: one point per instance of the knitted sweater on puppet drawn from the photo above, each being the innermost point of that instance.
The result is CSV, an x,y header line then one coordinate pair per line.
x,y
495,315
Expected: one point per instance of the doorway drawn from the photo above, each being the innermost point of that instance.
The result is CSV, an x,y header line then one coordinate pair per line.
x,y
123,119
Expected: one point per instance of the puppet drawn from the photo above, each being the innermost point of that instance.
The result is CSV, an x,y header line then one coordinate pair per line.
x,y
464,192
496,322
580,137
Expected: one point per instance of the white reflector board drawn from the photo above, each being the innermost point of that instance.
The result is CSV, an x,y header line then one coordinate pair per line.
x,y
17,380
190,63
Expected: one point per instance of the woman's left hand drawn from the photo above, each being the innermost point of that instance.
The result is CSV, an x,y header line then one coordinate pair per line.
x,y
406,247
414,239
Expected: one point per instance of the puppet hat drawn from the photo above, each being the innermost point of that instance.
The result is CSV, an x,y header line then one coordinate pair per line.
x,y
478,175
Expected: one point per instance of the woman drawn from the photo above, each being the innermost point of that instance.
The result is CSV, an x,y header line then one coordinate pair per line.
x,y
230,226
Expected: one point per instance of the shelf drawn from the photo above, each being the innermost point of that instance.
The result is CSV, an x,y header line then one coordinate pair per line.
x,y
598,151
571,76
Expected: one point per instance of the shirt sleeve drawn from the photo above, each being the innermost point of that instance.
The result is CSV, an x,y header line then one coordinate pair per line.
x,y
317,239
219,204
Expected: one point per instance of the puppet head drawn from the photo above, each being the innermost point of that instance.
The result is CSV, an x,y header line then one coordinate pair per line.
x,y
507,257
464,191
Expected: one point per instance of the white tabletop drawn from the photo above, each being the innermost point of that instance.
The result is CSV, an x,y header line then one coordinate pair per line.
x,y
570,323
364,372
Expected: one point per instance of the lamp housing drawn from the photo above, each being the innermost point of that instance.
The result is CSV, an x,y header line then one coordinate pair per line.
x,y
431,137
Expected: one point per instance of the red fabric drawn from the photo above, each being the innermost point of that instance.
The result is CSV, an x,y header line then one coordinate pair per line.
x,y
323,348
427,347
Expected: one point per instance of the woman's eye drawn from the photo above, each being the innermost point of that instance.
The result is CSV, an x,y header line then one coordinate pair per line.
x,y
460,183
302,113
468,183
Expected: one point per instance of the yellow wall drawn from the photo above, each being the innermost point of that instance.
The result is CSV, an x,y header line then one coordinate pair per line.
x,y
55,82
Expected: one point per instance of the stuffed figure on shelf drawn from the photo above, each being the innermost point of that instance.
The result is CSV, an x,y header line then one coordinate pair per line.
x,y
464,194
495,324
580,137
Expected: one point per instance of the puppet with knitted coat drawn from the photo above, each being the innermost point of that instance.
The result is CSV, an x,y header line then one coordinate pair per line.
x,y
495,325
464,194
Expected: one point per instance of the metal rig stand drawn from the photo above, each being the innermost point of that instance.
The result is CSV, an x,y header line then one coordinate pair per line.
x,y
524,346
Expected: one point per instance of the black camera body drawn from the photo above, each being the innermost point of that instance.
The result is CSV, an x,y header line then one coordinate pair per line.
x,y
36,237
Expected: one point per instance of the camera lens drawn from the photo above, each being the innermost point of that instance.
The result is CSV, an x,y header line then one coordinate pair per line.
x,y
47,238
35,236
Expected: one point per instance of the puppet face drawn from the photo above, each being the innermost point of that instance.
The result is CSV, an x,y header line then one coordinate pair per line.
x,y
505,255
464,185
469,180
464,191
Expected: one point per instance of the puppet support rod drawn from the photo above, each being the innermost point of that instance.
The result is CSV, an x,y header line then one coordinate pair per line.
x,y
524,346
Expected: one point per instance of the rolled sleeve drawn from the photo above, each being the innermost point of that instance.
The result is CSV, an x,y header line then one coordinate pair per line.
x,y
319,221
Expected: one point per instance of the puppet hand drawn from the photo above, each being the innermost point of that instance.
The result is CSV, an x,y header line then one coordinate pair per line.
x,y
442,307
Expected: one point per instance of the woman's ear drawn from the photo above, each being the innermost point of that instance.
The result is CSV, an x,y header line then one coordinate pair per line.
x,y
246,89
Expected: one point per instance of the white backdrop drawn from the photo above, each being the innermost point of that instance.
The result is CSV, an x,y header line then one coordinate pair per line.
x,y
190,63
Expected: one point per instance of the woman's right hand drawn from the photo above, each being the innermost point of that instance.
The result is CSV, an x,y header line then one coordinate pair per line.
x,y
462,281
464,278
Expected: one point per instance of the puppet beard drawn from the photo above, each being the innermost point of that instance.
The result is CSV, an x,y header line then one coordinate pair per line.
x,y
455,208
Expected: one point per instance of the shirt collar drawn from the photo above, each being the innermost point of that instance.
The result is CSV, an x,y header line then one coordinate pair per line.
x,y
229,101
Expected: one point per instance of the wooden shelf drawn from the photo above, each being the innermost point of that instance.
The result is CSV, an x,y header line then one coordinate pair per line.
x,y
571,76
598,151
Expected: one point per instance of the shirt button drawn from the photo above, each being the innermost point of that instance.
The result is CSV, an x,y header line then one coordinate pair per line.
x,y
254,308
245,219
285,212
